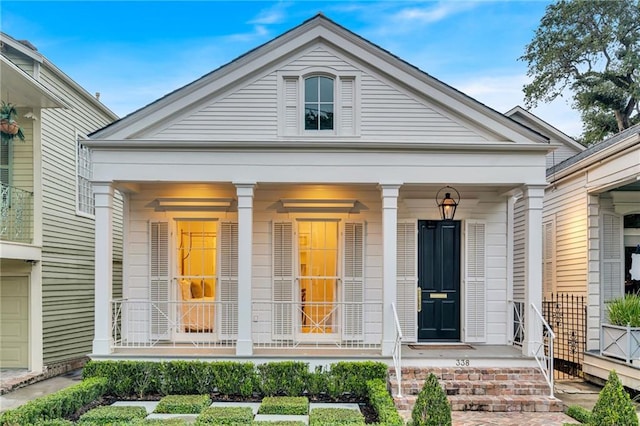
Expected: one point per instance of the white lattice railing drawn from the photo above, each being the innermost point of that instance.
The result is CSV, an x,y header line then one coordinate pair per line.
x,y
327,325
543,350
16,214
518,323
397,350
146,324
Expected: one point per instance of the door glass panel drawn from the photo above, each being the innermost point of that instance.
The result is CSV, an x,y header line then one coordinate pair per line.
x,y
196,247
318,271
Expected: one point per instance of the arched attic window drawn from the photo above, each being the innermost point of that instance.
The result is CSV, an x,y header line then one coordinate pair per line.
x,y
319,103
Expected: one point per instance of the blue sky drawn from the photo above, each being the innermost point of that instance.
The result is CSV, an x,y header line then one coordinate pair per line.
x,y
137,51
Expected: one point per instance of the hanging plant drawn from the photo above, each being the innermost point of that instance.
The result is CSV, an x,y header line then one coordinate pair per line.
x,y
9,127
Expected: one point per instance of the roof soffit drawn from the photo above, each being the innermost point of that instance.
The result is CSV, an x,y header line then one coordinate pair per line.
x,y
319,29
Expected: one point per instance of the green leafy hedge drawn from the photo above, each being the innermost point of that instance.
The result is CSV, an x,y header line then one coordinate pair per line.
x,y
57,405
225,416
579,413
286,378
382,402
109,415
335,417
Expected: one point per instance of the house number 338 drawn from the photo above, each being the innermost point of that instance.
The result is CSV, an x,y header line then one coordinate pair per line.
x,y
462,363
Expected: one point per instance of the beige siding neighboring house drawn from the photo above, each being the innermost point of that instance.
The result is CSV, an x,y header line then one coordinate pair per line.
x,y
46,239
286,203
593,202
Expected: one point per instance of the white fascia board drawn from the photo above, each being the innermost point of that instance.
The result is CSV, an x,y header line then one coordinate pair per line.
x,y
596,157
24,90
548,127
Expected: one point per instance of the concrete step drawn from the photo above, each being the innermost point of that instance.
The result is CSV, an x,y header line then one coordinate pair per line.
x,y
497,403
474,387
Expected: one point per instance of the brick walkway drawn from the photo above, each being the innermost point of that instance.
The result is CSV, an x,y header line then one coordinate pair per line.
x,y
483,418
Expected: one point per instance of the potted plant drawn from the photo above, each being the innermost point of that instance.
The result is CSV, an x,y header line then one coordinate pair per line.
x,y
621,335
9,127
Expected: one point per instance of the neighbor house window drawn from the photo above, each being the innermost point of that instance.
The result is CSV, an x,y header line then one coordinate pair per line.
x,y
85,203
5,164
318,103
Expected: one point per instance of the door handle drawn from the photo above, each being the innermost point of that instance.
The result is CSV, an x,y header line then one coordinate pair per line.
x,y
419,299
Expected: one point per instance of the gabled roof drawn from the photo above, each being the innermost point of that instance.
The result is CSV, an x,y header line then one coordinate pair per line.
x,y
318,28
561,136
591,154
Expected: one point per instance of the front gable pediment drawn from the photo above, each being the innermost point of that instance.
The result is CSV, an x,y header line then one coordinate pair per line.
x,y
260,95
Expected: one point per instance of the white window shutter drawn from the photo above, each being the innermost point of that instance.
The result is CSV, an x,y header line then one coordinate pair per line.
x,y
548,257
159,280
475,282
228,279
407,279
292,117
612,255
283,277
353,281
347,106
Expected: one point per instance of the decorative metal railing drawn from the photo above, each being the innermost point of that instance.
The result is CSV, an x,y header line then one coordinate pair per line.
x,y
518,323
328,325
147,324
543,350
397,350
16,214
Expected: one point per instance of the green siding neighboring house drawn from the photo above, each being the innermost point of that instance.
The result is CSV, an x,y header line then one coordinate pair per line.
x,y
57,263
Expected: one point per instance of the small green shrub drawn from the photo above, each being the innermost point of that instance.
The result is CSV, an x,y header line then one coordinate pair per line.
x,y
579,413
225,416
625,310
57,405
614,406
351,377
170,422
126,378
53,422
279,423
234,378
383,404
285,405
113,414
432,407
183,404
283,378
335,417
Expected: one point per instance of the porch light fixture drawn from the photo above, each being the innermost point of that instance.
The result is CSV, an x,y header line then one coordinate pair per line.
x,y
447,205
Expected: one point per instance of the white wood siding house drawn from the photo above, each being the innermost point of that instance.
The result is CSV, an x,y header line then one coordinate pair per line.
x,y
46,242
592,205
286,201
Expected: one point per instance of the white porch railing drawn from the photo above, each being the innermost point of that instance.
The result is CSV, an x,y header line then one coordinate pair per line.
x,y
328,325
543,351
518,323
16,214
397,350
147,324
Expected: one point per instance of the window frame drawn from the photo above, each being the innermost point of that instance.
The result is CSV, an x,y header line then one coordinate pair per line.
x,y
319,102
84,180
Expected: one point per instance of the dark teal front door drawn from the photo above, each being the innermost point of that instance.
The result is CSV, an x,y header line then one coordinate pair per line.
x,y
439,280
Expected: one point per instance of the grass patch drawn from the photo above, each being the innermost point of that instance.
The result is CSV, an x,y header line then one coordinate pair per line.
x,y
285,405
183,404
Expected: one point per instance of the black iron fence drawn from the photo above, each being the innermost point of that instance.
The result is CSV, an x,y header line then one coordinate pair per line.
x,y
567,316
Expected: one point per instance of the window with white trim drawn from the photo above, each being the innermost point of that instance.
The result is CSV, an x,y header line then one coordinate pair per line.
x,y
84,192
5,164
318,103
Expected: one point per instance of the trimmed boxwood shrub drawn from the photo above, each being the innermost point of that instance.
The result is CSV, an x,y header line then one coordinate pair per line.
x,y
57,405
170,422
285,405
335,417
579,413
54,422
183,404
126,378
614,406
283,378
225,416
352,377
432,407
113,414
279,423
383,404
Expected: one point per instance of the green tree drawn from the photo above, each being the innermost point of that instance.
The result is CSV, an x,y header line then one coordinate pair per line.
x,y
592,48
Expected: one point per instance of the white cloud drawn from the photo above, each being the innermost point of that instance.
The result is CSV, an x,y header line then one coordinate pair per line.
x,y
434,12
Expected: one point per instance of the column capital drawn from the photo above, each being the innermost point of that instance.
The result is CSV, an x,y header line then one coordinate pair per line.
x,y
390,189
533,191
244,189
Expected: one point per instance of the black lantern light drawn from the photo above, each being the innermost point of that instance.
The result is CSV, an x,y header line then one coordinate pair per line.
x,y
447,205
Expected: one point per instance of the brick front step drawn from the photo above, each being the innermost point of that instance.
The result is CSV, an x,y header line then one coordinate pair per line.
x,y
521,389
514,403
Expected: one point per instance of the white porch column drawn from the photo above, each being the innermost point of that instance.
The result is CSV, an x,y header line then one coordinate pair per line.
x,y
103,193
244,191
532,195
389,257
